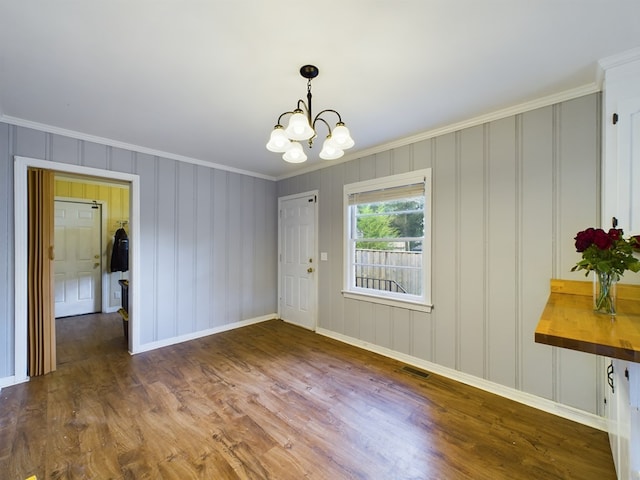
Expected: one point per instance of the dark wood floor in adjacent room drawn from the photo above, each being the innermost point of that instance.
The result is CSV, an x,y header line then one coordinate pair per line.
x,y
271,401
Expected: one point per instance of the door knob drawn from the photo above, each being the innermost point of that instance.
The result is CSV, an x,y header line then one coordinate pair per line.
x,y
96,256
309,270
96,265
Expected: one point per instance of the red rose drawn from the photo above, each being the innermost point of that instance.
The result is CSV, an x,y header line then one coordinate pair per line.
x,y
584,239
601,239
635,242
615,234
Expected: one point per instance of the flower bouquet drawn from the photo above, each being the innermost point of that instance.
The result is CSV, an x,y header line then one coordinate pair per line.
x,y
608,255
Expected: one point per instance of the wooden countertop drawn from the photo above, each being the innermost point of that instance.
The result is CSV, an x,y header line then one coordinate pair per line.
x,y
568,321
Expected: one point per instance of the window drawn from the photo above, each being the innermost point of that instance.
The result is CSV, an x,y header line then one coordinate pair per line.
x,y
388,239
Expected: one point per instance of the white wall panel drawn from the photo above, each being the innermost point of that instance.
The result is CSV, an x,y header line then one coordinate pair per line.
x,y
64,150
383,164
247,237
352,318
220,239
421,341
535,246
186,258
94,155
402,160
324,277
265,248
167,249
123,160
203,280
445,240
29,143
501,308
382,325
472,251
235,212
422,154
401,330
366,322
147,169
335,248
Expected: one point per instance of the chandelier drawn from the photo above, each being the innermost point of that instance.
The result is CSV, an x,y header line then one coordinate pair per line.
x,y
302,126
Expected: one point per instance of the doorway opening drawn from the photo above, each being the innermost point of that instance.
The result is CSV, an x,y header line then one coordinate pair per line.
x,y
83,337
22,164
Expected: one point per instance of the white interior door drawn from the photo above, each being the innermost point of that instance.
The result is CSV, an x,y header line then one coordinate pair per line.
x,y
298,262
78,265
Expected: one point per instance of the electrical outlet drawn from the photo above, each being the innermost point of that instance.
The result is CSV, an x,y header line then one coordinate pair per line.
x,y
116,294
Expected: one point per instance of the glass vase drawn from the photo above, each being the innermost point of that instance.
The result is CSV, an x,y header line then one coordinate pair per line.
x,y
604,293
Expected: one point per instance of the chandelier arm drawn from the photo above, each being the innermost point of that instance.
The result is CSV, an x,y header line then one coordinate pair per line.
x,y
292,112
282,115
324,111
321,120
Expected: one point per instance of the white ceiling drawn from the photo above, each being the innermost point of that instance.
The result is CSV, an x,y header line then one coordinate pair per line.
x,y
206,80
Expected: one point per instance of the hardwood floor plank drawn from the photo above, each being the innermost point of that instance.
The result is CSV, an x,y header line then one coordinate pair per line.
x,y
272,401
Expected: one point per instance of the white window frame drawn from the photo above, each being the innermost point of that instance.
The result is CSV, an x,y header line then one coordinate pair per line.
x,y
412,302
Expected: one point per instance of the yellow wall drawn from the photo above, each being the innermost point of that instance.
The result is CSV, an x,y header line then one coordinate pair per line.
x,y
114,198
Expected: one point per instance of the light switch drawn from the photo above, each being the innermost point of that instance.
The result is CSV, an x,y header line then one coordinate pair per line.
x,y
323,256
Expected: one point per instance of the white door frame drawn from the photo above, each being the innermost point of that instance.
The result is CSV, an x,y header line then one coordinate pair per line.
x,y
315,250
21,165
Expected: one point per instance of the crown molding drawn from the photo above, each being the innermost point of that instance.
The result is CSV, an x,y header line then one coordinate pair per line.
x,y
620,59
125,146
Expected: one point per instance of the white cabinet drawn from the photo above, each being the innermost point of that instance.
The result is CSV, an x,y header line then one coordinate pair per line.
x,y
623,417
618,412
621,163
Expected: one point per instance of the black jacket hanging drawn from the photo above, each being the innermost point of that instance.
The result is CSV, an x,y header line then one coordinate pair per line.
x,y
120,254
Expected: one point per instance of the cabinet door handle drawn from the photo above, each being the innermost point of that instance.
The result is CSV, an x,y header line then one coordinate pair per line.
x,y
610,376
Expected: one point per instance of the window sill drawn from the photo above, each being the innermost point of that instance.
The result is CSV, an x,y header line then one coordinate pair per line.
x,y
392,302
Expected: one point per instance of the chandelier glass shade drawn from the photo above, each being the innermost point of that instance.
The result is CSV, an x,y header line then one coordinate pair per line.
x,y
302,126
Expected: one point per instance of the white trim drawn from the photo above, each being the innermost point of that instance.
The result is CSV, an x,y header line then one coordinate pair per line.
x,y
392,302
21,164
402,300
126,146
620,59
204,333
454,127
90,181
549,406
11,380
316,247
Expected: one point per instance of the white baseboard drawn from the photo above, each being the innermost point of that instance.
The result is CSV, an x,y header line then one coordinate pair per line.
x,y
204,333
12,380
546,405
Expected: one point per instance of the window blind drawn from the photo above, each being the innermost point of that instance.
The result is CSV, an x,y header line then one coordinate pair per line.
x,y
387,194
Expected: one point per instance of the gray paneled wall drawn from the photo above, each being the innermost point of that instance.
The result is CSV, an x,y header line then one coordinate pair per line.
x,y
508,198
208,238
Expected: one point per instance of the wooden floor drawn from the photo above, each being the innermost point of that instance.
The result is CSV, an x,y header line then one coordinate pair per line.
x,y
271,401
